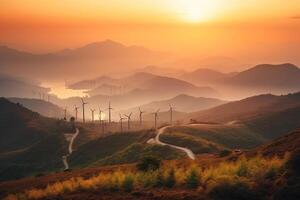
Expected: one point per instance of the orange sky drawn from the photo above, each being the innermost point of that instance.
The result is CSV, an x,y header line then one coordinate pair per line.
x,y
253,28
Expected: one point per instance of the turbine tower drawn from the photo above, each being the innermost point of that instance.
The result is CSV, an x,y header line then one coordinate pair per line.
x,y
155,118
128,120
93,111
109,112
121,121
83,104
171,114
76,112
100,114
141,116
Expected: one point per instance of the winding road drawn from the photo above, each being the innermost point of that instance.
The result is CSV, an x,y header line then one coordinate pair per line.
x,y
70,137
156,140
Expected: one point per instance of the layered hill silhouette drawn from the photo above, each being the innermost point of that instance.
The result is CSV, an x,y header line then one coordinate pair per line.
x,y
12,86
260,79
181,103
204,76
109,55
137,89
273,77
248,108
145,81
42,107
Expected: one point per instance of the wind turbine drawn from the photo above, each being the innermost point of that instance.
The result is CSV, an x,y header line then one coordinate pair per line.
x,y
128,120
141,116
83,104
93,111
171,114
109,112
76,111
155,118
121,121
100,114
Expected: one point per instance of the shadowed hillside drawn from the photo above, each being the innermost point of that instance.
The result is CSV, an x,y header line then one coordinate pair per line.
x,y
29,143
247,108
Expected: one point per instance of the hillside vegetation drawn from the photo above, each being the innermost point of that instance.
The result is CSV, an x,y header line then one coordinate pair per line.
x,y
119,148
248,108
216,136
29,143
228,180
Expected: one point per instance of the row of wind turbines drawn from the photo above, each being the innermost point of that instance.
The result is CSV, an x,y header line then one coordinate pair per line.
x,y
122,117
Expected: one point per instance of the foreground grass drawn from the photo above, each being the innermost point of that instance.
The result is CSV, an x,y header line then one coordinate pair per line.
x,y
243,172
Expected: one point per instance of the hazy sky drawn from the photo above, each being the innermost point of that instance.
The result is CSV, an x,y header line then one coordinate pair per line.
x,y
264,29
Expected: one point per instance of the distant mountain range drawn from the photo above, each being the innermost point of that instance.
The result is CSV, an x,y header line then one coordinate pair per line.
x,y
11,86
272,77
204,76
106,56
260,79
247,108
42,107
137,89
181,103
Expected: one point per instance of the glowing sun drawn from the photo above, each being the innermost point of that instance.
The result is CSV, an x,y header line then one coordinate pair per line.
x,y
194,11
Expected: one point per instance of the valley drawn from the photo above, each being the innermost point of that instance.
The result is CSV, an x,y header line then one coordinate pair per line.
x,y
149,100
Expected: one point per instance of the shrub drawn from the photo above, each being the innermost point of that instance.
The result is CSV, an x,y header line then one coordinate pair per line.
x,y
224,153
271,173
232,191
149,163
193,179
128,183
159,181
242,169
170,179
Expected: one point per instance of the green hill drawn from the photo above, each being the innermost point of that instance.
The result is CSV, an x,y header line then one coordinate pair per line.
x,y
136,151
119,148
207,138
29,143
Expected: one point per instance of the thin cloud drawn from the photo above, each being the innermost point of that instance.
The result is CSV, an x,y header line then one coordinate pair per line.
x,y
295,17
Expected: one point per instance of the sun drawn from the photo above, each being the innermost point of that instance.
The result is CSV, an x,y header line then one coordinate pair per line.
x,y
194,11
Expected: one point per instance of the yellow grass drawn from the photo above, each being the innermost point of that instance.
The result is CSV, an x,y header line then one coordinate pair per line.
x,y
246,170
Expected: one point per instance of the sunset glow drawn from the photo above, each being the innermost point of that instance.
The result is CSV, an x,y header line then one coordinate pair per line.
x,y
195,11
183,27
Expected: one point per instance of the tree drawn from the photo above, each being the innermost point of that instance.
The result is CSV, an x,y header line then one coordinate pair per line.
x,y
170,179
193,179
72,121
148,163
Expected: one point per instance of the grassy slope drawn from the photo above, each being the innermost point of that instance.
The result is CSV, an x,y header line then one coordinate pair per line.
x,y
273,125
136,151
196,144
273,182
248,133
287,143
44,156
103,147
247,108
29,143
228,136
